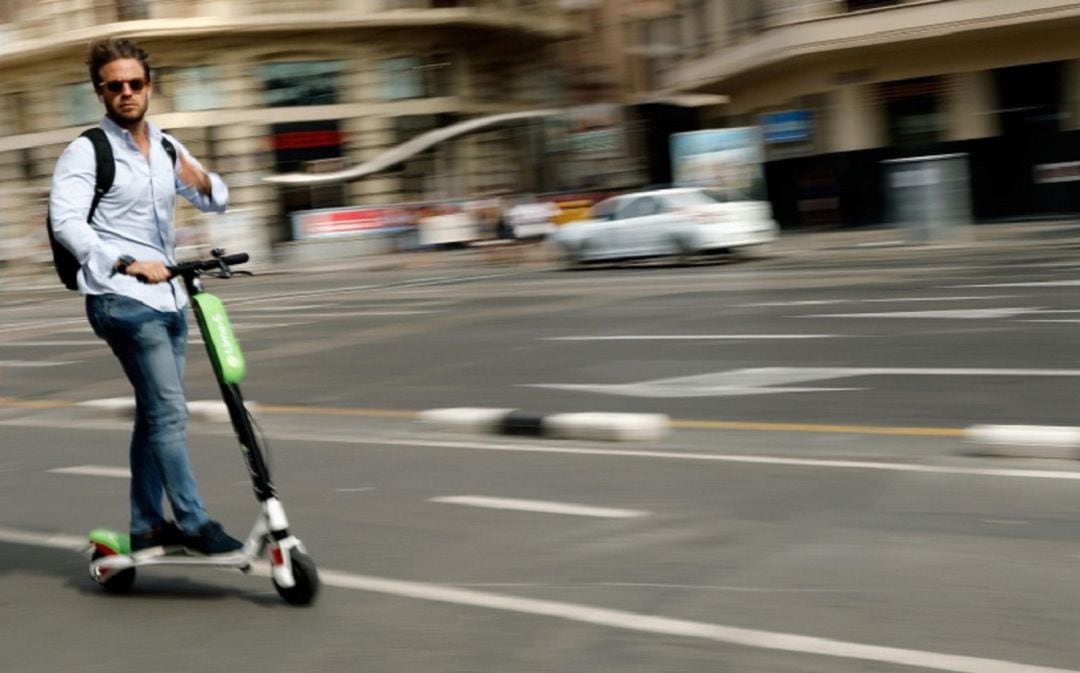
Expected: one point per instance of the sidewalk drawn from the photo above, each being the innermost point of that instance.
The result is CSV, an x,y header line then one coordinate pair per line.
x,y
883,240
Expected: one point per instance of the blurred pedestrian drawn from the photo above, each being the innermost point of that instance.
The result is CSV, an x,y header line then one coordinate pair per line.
x,y
131,301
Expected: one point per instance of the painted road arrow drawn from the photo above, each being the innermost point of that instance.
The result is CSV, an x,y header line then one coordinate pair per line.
x,y
774,380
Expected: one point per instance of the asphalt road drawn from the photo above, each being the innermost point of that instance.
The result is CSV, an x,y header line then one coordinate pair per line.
x,y
845,527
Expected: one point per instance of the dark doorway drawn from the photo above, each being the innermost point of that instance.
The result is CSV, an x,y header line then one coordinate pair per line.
x,y
1029,101
660,122
302,147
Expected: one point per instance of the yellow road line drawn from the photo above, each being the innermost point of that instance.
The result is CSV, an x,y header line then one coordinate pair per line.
x,y
16,403
685,424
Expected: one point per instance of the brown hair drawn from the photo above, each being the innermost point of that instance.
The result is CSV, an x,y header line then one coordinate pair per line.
x,y
111,49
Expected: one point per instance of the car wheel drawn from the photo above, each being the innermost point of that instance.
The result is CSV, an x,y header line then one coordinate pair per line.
x,y
684,251
573,258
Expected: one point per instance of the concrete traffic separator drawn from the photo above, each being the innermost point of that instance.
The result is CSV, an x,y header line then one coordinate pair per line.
x,y
600,426
208,411
1026,441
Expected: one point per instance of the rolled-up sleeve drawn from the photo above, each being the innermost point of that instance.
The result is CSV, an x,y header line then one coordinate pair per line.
x,y
217,201
70,197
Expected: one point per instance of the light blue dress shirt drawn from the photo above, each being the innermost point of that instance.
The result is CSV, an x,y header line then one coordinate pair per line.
x,y
134,218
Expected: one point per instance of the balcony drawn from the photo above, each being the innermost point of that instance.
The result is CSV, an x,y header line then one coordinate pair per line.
x,y
820,27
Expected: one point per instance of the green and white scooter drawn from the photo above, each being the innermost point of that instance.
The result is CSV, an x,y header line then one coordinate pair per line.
x,y
112,565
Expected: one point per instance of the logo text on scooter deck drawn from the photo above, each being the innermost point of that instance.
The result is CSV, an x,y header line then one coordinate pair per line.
x,y
221,343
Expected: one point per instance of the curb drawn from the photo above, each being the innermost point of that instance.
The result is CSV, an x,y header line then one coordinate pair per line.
x,y
208,411
1026,441
600,426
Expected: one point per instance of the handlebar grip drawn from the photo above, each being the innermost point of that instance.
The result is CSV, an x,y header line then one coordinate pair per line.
x,y
238,258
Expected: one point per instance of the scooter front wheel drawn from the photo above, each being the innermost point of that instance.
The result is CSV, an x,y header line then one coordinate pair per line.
x,y
118,582
307,580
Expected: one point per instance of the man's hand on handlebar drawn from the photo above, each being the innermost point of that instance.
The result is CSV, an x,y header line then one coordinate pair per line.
x,y
149,272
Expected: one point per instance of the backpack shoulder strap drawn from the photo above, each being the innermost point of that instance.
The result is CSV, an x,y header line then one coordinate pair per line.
x,y
106,167
170,149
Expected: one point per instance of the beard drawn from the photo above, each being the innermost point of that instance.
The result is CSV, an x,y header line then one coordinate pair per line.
x,y
127,114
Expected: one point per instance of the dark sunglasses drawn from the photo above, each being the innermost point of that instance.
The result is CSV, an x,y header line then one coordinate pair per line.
x,y
117,85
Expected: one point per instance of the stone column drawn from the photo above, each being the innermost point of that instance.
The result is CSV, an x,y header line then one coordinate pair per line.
x,y
968,106
856,120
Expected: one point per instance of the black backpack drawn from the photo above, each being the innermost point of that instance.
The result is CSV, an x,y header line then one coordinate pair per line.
x,y
67,267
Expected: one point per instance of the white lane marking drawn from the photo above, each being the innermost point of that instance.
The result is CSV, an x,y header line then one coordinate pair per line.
x,y
660,585
36,363
39,324
885,300
84,328
438,280
346,314
773,380
796,302
301,307
252,326
354,490
1037,283
72,342
94,471
53,540
890,300
633,621
613,453
692,337
958,314
541,506
691,456
618,619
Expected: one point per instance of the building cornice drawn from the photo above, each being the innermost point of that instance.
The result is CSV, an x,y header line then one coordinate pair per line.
x,y
879,28
16,48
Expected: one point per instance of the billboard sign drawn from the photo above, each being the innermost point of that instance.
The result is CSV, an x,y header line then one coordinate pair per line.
x,y
728,162
789,126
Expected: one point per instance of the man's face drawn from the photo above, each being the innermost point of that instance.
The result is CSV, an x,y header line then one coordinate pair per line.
x,y
125,90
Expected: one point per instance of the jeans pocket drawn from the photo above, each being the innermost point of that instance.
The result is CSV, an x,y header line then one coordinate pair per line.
x,y
115,316
97,313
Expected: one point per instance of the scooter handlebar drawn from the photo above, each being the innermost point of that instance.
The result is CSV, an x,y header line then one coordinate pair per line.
x,y
216,263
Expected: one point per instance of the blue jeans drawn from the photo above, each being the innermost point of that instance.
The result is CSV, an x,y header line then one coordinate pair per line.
x,y
151,346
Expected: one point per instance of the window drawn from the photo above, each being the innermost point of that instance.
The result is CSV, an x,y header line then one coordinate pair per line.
x,y
856,5
663,44
131,10
196,88
406,77
79,103
642,207
912,108
543,84
605,210
696,21
302,83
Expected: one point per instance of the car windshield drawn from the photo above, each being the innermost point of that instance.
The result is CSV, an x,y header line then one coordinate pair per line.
x,y
689,199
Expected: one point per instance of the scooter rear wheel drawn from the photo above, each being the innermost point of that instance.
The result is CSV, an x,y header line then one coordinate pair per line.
x,y
307,580
119,582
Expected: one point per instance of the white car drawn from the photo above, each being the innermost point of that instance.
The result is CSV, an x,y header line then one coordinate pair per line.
x,y
680,222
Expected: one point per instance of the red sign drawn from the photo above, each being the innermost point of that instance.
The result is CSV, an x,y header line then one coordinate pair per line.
x,y
294,140
322,223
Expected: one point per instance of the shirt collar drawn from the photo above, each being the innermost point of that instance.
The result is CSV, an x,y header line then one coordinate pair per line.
x,y
112,128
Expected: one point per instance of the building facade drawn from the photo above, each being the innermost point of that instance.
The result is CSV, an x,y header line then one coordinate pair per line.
x,y
260,87
840,86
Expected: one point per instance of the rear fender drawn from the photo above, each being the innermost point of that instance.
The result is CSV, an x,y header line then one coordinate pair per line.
x,y
110,542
